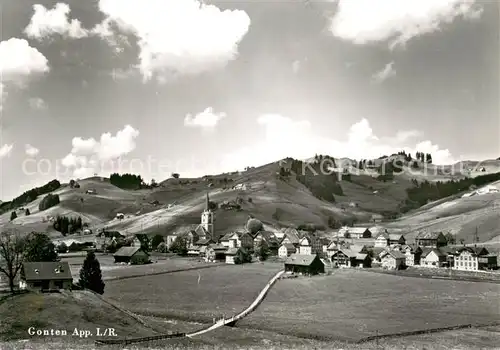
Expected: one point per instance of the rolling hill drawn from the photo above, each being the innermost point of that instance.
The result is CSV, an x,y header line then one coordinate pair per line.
x,y
288,200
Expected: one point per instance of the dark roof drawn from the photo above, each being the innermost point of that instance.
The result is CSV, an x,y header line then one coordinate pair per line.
x,y
428,235
292,235
289,247
204,241
395,236
266,235
115,234
474,250
396,254
360,256
302,260
200,231
127,251
143,238
35,271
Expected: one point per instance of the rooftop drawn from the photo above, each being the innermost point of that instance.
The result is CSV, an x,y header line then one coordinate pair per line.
x,y
35,271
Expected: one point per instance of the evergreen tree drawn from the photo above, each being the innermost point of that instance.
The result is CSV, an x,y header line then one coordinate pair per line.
x,y
27,212
13,216
90,274
39,247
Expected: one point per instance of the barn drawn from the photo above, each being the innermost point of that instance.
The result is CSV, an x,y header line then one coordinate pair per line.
x,y
304,264
131,255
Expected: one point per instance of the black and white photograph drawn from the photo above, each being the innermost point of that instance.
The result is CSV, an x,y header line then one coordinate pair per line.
x,y
249,174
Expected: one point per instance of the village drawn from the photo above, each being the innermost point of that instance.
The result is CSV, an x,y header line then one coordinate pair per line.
x,y
301,252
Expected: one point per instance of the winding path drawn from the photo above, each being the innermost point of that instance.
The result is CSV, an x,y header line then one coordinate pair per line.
x,y
224,322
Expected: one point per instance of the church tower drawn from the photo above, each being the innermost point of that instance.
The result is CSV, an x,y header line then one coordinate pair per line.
x,y
207,219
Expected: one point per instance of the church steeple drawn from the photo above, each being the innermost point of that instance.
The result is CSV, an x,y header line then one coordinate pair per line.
x,y
207,203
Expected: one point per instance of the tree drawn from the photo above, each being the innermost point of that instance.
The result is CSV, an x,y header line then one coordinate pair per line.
x,y
243,256
71,183
90,274
48,201
11,255
39,247
262,251
156,241
162,247
62,248
154,183
450,238
13,216
175,175
27,212
179,246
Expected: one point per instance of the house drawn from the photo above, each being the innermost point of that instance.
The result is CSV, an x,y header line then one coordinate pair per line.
x,y
412,253
286,249
382,240
120,216
215,253
310,244
377,218
237,240
396,238
232,254
291,236
433,257
142,241
45,276
393,260
268,238
193,251
131,255
474,259
355,232
431,239
349,258
304,264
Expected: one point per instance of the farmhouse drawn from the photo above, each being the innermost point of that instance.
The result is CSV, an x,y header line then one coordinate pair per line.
x,y
431,239
131,255
215,253
268,238
286,249
45,276
393,260
355,232
349,258
304,264
412,253
237,240
396,238
310,244
382,240
433,257
474,259
231,254
291,236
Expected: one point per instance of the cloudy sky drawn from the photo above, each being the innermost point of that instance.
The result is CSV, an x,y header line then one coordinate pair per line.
x,y
179,86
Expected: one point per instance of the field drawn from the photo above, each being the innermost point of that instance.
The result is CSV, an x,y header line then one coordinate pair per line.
x,y
110,270
351,305
197,295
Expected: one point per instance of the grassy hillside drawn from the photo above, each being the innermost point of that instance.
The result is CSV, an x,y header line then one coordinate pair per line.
x,y
78,309
282,200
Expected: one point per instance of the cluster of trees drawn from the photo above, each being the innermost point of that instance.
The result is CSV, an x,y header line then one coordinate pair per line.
x,y
426,191
127,181
424,157
74,184
318,178
67,225
48,201
29,196
15,249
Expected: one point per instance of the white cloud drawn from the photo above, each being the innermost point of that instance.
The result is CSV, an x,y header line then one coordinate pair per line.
x,y
89,156
175,36
397,21
207,119
5,150
31,151
285,137
387,72
37,103
45,23
18,61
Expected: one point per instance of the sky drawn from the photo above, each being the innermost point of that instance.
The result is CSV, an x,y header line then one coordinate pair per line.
x,y
154,87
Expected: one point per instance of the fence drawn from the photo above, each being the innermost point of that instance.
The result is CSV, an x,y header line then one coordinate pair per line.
x,y
140,340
